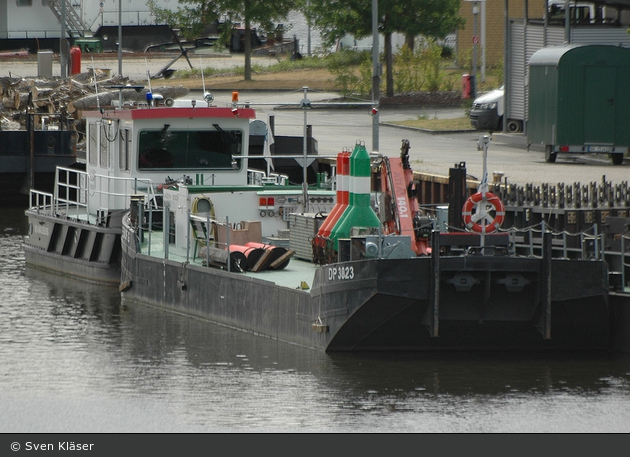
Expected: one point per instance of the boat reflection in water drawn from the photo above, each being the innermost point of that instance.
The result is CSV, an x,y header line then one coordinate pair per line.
x,y
85,361
170,211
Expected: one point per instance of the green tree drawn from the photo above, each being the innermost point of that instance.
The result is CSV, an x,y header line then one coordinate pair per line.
x,y
431,18
195,15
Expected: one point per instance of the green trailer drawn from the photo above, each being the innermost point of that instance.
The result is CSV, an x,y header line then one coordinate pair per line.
x,y
579,100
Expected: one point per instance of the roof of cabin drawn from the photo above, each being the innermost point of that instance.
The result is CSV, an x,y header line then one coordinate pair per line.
x,y
174,113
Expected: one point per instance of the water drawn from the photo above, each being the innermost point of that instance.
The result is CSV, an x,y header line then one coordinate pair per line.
x,y
76,359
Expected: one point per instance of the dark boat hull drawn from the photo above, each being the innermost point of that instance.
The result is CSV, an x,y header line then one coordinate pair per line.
x,y
17,171
391,304
72,248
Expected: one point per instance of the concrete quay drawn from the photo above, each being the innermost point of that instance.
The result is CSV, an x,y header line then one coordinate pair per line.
x,y
336,127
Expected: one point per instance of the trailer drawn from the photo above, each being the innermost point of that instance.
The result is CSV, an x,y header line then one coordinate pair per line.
x,y
579,100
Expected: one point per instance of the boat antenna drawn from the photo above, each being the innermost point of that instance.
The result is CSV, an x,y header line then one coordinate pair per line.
x,y
98,103
203,82
150,93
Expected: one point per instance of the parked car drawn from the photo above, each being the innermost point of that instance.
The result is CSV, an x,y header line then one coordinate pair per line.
x,y
487,111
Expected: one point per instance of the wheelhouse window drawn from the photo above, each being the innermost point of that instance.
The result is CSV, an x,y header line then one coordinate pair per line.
x,y
189,149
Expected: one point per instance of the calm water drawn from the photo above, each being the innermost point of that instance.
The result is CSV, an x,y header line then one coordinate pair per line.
x,y
74,359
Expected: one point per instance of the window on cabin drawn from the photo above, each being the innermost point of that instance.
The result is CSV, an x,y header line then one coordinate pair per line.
x,y
168,148
24,2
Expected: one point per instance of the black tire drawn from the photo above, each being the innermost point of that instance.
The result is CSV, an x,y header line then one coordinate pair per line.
x,y
514,126
617,159
550,155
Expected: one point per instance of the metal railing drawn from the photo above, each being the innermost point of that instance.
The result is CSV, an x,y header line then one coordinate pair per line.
x,y
75,192
566,245
204,226
614,249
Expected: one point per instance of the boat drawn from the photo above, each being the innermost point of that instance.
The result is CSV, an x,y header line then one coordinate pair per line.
x,y
169,211
31,154
75,229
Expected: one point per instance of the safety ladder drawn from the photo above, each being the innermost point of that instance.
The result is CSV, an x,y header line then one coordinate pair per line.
x,y
76,27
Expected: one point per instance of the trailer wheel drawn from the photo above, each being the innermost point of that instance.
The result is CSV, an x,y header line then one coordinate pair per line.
x,y
617,159
550,155
514,126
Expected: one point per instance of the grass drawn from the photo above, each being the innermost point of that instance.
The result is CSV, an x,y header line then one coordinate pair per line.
x,y
314,72
460,123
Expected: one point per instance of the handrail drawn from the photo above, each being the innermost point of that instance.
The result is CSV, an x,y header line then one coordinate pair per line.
x,y
73,189
582,245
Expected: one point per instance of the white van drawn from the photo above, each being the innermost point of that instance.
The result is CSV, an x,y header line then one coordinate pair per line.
x,y
487,111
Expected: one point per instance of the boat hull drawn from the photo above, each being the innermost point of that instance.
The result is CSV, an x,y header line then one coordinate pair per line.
x,y
73,248
19,170
390,304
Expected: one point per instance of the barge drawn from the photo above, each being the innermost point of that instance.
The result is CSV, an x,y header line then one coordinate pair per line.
x,y
32,154
169,211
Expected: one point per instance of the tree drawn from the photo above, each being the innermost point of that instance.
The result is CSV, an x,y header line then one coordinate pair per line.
x,y
196,15
432,18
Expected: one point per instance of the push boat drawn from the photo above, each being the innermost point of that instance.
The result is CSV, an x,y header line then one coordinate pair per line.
x,y
350,262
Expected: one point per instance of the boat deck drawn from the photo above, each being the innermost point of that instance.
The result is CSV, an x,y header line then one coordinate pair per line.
x,y
298,274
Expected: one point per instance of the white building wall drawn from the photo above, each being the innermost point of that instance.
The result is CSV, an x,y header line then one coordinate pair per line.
x,y
35,21
38,21
97,13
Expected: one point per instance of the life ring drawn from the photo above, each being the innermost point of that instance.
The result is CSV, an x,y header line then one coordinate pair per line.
x,y
482,213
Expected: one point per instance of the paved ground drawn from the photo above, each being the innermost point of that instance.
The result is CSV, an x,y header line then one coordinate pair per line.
x,y
338,128
432,153
134,66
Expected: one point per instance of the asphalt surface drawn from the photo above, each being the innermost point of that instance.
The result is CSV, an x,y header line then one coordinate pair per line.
x,y
134,66
336,128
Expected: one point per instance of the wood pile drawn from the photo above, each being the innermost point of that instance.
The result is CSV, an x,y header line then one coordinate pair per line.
x,y
50,95
69,96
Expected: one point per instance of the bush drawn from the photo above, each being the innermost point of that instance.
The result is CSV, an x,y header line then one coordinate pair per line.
x,y
343,66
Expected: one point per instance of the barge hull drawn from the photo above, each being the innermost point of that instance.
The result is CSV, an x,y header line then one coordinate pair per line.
x,y
369,306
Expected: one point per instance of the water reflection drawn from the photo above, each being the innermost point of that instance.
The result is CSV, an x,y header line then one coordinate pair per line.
x,y
76,358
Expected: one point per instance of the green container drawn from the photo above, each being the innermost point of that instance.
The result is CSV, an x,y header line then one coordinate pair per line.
x,y
579,100
89,45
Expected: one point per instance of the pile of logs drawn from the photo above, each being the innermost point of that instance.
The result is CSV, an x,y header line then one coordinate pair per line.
x,y
50,95
70,96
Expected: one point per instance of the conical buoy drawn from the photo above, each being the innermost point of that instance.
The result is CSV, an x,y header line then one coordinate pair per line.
x,y
343,194
359,212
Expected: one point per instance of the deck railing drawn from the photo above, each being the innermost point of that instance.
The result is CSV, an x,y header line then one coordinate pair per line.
x,y
589,245
614,249
79,195
564,244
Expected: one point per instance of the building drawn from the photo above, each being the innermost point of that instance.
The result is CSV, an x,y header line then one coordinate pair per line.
x,y
36,24
491,27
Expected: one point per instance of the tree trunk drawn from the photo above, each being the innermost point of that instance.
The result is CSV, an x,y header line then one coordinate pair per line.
x,y
410,41
389,62
248,50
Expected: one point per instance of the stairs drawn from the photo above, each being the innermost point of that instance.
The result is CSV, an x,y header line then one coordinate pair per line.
x,y
74,25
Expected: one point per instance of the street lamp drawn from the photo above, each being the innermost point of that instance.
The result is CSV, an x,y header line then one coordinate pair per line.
x,y
475,40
